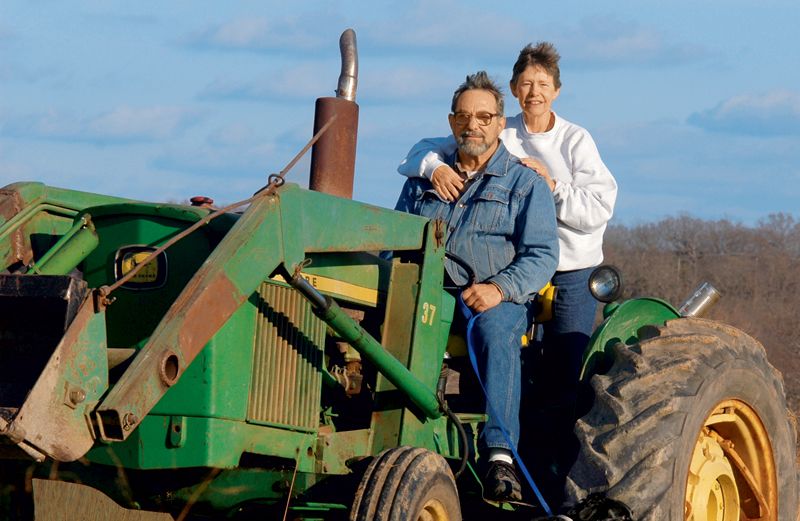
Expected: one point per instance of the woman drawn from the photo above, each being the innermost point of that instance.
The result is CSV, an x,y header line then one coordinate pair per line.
x,y
584,191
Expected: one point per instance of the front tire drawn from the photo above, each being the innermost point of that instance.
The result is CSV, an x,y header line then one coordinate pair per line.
x,y
690,424
407,483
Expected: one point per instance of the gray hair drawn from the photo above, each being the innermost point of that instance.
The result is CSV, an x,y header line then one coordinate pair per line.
x,y
479,81
543,55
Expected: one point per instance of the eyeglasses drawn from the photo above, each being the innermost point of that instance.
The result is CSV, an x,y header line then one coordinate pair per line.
x,y
463,118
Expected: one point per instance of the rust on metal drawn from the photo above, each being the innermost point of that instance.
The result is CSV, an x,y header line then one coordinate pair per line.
x,y
202,201
11,431
741,466
333,157
129,421
169,369
439,235
11,203
205,310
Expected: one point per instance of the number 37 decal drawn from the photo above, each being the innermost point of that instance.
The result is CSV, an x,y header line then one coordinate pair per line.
x,y
428,312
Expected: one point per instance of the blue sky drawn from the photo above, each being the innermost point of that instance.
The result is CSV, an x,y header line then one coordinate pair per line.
x,y
694,105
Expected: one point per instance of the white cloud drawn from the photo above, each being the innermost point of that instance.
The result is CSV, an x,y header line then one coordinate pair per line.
x,y
231,173
304,81
310,80
247,32
146,123
664,168
775,113
447,28
594,41
235,134
409,84
261,33
608,41
123,124
211,160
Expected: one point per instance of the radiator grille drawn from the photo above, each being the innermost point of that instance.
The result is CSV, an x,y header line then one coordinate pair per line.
x,y
287,360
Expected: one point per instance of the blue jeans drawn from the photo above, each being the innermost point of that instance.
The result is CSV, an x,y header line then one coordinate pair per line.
x,y
566,336
552,368
496,338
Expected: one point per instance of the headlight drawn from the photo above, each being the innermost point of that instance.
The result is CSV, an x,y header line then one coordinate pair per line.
x,y
605,283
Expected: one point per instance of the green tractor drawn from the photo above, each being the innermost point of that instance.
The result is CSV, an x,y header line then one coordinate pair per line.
x,y
164,361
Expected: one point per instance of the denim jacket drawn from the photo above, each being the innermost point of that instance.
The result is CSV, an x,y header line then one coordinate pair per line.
x,y
503,225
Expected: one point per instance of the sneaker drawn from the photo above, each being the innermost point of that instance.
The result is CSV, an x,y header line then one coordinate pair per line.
x,y
501,483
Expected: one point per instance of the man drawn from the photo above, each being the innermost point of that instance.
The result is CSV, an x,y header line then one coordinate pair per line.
x,y
503,224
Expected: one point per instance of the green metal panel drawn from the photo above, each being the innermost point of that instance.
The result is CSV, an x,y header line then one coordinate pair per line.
x,y
309,215
32,192
206,442
433,316
70,250
234,487
400,305
33,216
622,324
217,384
32,232
136,312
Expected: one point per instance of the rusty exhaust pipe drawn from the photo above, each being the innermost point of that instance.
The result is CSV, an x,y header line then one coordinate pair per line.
x,y
333,158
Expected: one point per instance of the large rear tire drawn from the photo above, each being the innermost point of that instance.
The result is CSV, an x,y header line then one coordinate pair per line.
x,y
407,483
690,424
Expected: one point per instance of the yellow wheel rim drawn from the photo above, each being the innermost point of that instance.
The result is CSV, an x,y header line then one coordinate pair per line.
x,y
433,510
732,470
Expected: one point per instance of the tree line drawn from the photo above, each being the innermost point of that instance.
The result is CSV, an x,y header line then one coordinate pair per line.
x,y
756,269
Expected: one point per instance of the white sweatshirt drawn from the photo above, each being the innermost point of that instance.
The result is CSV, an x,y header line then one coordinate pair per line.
x,y
585,190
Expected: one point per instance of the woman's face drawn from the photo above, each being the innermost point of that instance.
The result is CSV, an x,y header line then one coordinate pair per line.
x,y
535,90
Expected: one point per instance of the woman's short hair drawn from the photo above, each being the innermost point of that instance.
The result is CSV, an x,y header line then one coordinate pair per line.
x,y
543,55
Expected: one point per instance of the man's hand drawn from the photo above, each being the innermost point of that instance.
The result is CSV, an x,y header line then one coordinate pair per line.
x,y
447,183
480,297
539,168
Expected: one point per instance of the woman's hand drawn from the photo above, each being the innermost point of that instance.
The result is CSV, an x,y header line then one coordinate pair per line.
x,y
447,183
538,167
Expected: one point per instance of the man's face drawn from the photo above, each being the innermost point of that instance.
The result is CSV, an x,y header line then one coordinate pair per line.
x,y
475,123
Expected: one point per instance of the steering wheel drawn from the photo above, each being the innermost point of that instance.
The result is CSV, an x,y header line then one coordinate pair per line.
x,y
466,267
